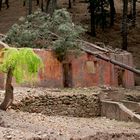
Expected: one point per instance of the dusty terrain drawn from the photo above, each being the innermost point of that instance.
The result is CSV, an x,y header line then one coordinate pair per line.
x,y
15,124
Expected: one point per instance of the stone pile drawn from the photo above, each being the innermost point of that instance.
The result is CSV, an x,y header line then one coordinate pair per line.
x,y
66,105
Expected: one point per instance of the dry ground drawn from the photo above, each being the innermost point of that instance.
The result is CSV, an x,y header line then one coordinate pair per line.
x,y
17,125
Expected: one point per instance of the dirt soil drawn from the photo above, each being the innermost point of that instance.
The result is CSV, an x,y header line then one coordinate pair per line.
x,y
18,125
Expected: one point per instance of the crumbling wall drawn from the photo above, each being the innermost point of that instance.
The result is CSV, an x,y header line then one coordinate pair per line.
x,y
84,70
67,105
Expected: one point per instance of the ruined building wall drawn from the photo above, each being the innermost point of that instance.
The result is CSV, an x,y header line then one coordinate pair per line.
x,y
83,70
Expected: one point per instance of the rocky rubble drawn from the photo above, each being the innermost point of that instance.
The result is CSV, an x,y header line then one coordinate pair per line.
x,y
66,105
18,125
106,136
24,125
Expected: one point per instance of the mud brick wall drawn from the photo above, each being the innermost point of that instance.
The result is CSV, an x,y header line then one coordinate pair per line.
x,y
64,105
84,70
119,76
88,70
52,75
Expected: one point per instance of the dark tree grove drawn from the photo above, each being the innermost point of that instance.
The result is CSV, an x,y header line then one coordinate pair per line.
x,y
99,14
102,13
92,19
30,7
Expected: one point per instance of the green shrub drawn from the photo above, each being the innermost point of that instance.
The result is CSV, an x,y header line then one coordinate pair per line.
x,y
23,62
40,30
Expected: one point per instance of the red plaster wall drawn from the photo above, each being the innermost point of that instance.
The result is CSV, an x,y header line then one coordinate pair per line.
x,y
105,73
52,75
128,77
102,76
80,75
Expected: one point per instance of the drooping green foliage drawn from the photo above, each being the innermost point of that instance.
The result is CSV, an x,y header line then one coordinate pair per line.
x,y
23,62
41,30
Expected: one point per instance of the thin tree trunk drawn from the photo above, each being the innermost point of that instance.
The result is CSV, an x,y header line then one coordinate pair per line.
x,y
37,2
54,5
0,4
51,6
7,3
24,2
131,10
47,6
42,6
30,7
134,13
103,15
69,3
124,25
112,12
8,99
92,17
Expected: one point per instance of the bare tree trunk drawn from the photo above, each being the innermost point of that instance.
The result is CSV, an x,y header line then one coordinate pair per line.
x,y
124,25
69,3
47,6
37,2
42,5
134,13
24,2
92,18
30,7
0,4
131,9
8,99
112,12
7,3
103,15
51,6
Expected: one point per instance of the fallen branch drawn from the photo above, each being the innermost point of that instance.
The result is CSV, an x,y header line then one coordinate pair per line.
x,y
112,61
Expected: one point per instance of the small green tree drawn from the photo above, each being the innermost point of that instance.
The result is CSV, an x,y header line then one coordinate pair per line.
x,y
21,64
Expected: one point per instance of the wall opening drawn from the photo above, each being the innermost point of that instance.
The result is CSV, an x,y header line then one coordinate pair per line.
x,y
67,74
120,77
91,67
